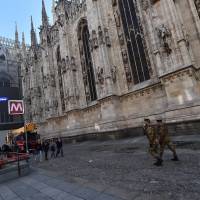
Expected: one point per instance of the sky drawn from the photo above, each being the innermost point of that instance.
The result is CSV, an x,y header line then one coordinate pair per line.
x,y
20,11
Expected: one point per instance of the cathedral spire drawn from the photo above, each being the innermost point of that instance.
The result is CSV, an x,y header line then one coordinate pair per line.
x,y
33,35
53,10
16,37
45,21
23,42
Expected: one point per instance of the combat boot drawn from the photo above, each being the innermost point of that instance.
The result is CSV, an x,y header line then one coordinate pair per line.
x,y
158,162
175,158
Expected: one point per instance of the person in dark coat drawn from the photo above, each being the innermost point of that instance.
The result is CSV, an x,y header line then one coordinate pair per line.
x,y
5,150
46,149
59,147
39,149
53,149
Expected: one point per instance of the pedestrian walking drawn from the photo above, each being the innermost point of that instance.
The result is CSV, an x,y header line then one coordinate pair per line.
x,y
53,149
165,141
150,132
5,150
59,147
46,149
39,149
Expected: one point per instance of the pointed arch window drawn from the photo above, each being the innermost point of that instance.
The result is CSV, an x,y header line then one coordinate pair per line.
x,y
86,61
137,54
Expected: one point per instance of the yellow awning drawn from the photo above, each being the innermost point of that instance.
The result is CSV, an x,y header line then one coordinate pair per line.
x,y
28,127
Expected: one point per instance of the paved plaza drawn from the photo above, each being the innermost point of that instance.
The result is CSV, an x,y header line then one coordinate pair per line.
x,y
112,170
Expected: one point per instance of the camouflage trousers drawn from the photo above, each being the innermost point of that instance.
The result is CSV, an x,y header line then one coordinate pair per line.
x,y
169,145
154,150
157,150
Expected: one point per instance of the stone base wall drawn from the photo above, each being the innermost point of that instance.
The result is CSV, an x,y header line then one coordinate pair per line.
x,y
175,129
122,115
185,128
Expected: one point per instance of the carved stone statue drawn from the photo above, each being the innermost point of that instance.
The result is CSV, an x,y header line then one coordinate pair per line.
x,y
100,33
52,80
121,39
94,39
47,106
55,103
124,56
60,21
67,62
39,91
128,74
107,38
114,73
145,4
100,75
73,64
45,81
117,18
87,93
164,35
63,66
163,32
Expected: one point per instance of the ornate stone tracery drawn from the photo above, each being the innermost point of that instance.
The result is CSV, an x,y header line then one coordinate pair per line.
x,y
63,66
113,62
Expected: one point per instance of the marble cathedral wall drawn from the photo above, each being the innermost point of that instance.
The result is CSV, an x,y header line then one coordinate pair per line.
x,y
105,65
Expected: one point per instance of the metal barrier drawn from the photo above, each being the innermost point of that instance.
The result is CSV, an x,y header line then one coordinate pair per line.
x,y
10,158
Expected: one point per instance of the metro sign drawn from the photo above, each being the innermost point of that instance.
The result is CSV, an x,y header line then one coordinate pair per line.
x,y
15,107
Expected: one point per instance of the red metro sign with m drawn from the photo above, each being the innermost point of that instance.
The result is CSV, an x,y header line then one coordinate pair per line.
x,y
16,107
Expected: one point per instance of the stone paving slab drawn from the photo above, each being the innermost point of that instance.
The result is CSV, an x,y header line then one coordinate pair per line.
x,y
123,168
40,187
112,170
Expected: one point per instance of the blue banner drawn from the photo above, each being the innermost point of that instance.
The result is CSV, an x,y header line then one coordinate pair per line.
x,y
3,99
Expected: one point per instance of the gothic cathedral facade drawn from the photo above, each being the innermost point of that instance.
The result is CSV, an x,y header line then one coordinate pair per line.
x,y
104,65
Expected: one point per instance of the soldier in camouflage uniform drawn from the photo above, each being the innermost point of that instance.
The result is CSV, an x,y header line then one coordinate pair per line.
x,y
150,132
164,140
